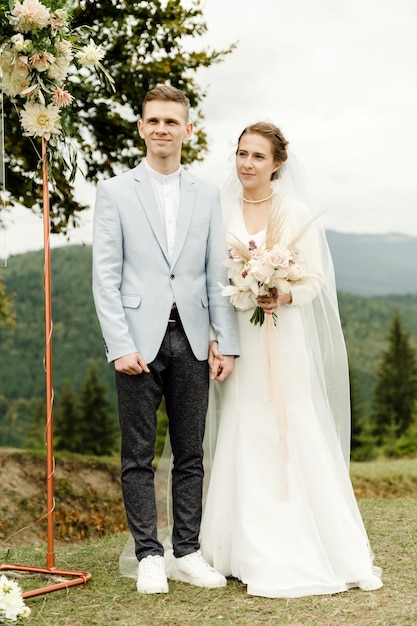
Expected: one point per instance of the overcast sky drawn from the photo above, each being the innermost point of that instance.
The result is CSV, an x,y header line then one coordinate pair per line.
x,y
340,79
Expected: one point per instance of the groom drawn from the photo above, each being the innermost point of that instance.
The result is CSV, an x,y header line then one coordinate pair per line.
x,y
158,251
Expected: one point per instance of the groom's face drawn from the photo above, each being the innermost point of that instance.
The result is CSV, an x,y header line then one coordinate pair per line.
x,y
164,126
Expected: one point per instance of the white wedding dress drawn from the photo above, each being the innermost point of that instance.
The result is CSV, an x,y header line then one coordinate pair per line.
x,y
312,540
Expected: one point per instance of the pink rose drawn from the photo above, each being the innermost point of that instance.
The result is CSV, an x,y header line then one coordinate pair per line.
x,y
279,256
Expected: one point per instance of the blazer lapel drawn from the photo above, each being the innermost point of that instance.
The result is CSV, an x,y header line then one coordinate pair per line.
x,y
146,196
187,195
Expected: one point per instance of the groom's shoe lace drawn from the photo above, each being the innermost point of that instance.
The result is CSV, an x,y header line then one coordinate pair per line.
x,y
195,570
151,575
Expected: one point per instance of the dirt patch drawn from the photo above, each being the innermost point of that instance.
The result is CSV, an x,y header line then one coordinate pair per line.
x,y
25,474
88,501
19,475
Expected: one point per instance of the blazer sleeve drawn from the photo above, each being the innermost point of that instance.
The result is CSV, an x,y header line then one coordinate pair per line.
x,y
107,275
222,314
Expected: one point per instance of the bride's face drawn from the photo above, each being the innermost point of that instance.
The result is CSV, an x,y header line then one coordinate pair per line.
x,y
255,162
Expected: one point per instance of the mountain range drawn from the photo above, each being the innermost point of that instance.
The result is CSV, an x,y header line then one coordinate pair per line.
x,y
374,265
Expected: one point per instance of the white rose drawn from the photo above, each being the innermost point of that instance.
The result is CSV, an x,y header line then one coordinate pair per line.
x,y
295,271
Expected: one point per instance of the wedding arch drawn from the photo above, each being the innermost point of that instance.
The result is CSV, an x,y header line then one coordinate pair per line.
x,y
37,54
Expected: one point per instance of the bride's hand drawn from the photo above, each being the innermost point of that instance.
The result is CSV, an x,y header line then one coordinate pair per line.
x,y
215,360
269,303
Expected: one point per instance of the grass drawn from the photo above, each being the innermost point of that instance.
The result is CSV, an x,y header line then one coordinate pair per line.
x,y
385,479
109,600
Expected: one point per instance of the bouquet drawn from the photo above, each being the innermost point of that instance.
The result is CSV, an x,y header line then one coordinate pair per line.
x,y
12,605
41,58
260,271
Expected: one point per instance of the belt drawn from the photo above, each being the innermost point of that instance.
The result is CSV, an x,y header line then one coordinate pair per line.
x,y
174,316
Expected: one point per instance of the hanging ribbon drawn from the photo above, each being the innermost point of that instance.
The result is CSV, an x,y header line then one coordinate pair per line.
x,y
274,391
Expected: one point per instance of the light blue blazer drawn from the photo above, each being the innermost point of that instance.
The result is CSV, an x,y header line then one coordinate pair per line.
x,y
135,282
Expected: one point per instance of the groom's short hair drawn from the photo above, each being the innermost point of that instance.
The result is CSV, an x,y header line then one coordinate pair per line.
x,y
168,93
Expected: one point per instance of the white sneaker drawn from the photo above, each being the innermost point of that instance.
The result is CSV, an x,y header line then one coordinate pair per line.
x,y
195,570
151,575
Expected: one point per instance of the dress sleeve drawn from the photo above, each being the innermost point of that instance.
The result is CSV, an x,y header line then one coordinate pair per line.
x,y
307,288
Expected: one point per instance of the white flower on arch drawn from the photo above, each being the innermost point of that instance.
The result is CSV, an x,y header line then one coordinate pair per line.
x,y
90,55
39,120
29,15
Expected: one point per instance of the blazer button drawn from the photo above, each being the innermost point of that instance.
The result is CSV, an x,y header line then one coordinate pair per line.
x,y
172,276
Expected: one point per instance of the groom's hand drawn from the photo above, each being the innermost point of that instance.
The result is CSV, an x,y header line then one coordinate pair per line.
x,y
131,364
220,365
226,367
214,359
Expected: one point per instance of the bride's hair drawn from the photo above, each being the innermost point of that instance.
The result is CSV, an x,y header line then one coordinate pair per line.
x,y
274,135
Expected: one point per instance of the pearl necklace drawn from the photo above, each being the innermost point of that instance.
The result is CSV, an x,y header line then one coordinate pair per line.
x,y
258,201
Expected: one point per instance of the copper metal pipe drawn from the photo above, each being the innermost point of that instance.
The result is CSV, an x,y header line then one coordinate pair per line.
x,y
80,578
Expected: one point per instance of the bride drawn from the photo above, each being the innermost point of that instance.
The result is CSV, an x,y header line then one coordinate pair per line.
x,y
280,514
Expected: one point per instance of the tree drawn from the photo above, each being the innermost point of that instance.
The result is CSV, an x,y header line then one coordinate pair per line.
x,y
68,420
7,314
97,425
146,43
35,436
395,391
406,445
356,409
18,416
362,441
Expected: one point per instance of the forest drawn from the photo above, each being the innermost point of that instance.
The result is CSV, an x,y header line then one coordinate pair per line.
x,y
84,395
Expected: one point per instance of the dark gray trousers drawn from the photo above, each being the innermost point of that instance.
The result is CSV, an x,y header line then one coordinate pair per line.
x,y
184,381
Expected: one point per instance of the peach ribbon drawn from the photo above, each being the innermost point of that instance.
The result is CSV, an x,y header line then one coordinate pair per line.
x,y
274,390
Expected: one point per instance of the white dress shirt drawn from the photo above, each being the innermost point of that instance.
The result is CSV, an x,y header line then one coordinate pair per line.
x,y
167,192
